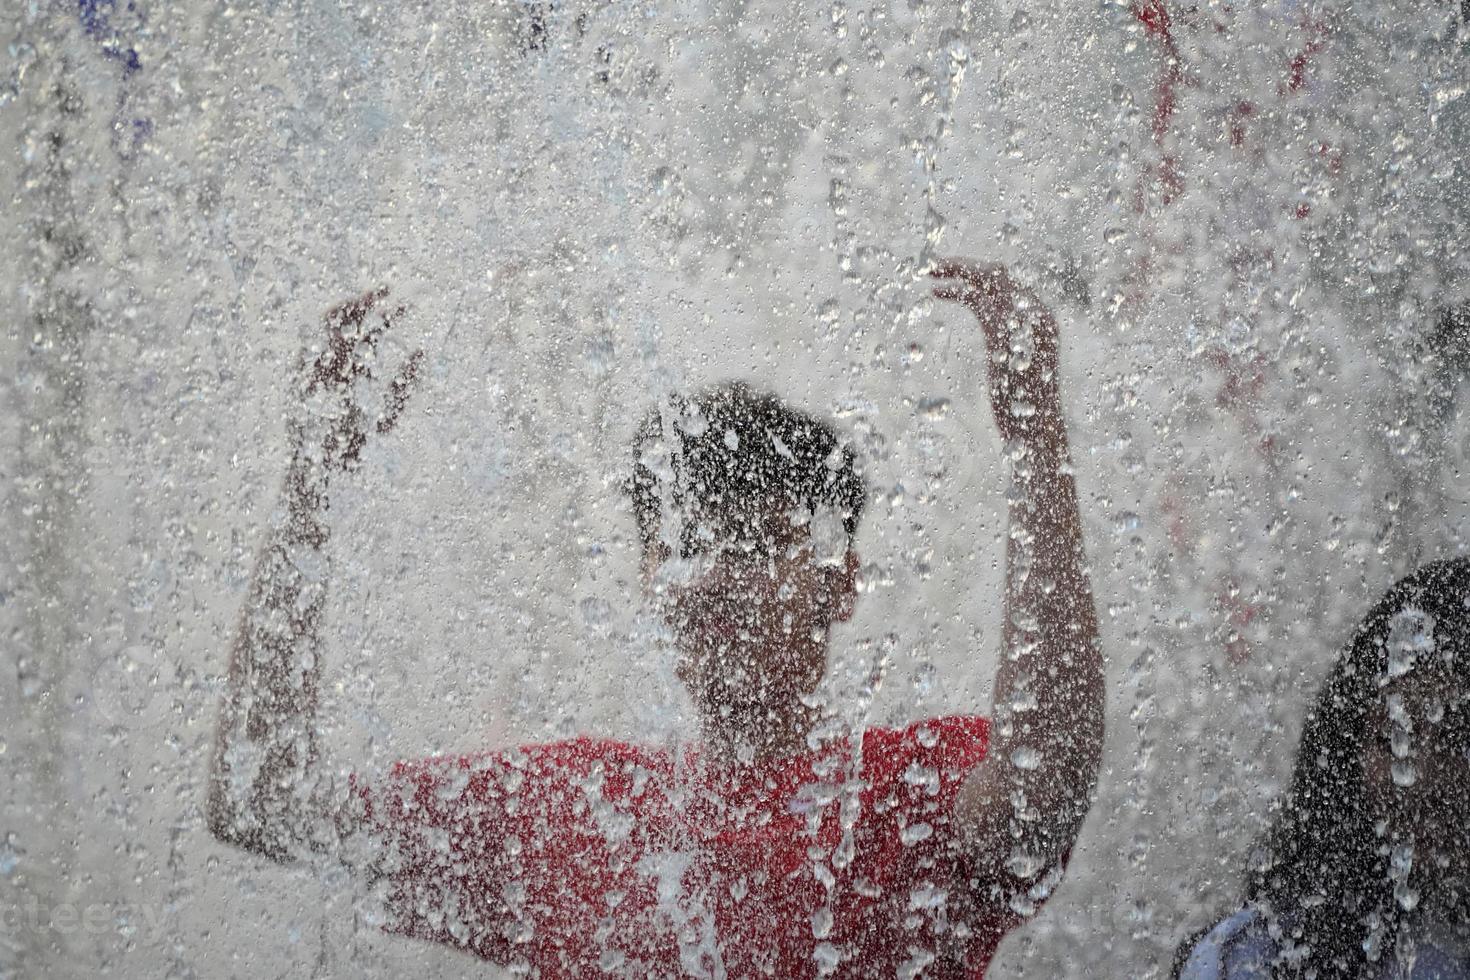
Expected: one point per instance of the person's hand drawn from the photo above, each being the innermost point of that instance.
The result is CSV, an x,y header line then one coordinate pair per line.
x,y
332,384
1021,339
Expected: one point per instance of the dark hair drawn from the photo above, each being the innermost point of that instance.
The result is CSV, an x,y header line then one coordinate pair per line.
x,y
1318,870
739,452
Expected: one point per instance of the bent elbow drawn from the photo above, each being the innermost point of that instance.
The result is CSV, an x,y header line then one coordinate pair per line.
x,y
239,826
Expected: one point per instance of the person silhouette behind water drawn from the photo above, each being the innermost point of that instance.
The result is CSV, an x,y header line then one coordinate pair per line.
x,y
766,848
1365,872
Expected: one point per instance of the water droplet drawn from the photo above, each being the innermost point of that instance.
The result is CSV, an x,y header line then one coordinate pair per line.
x,y
1448,94
828,958
1410,636
934,409
1022,905
925,776
914,966
452,786
914,833
1026,757
10,855
596,612
1024,865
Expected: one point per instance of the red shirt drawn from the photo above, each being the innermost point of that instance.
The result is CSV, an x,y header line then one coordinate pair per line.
x,y
588,857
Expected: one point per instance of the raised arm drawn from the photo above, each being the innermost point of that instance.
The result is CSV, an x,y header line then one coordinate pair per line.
x,y
266,791
1024,805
